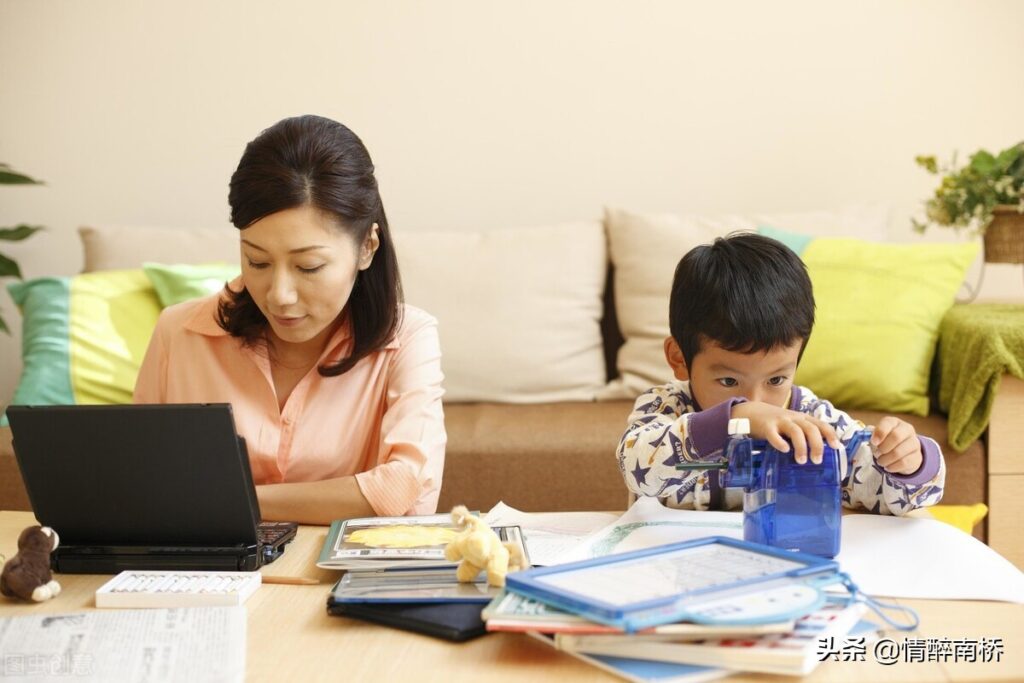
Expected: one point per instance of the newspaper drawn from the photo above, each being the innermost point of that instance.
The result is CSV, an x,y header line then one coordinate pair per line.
x,y
153,645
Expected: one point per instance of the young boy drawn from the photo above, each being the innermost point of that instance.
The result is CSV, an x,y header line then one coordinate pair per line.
x,y
740,314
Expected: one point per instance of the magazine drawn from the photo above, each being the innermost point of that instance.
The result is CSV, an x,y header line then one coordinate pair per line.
x,y
410,586
385,542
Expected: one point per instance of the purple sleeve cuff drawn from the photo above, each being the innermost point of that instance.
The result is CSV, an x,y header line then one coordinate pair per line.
x,y
709,429
931,458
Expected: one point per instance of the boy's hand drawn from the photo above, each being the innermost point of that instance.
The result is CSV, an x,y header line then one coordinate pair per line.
x,y
775,424
897,447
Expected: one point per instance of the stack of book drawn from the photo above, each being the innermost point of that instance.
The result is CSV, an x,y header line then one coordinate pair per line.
x,y
396,574
692,611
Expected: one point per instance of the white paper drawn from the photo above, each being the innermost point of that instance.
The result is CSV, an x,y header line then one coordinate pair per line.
x,y
549,535
898,557
914,557
154,645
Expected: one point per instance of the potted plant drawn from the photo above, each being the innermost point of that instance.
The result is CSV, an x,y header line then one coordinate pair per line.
x,y
985,197
8,266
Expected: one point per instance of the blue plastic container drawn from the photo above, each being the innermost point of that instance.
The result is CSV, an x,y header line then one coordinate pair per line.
x,y
786,505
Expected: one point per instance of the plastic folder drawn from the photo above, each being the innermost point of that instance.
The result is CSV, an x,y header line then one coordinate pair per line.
x,y
713,580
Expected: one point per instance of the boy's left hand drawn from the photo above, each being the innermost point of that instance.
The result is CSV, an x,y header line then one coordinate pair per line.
x,y
897,448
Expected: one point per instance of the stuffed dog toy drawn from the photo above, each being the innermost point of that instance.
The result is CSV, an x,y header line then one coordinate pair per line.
x,y
477,547
27,575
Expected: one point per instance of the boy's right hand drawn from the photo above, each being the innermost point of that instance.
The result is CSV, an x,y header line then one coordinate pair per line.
x,y
775,425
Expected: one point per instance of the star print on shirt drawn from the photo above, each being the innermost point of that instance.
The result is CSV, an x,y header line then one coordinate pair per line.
x,y
657,442
640,474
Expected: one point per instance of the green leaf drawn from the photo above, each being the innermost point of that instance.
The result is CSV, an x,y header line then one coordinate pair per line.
x,y
3,326
983,162
9,267
19,232
8,176
927,163
1007,157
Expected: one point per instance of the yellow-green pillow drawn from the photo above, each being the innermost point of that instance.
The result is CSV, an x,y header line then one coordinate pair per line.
x,y
83,337
877,319
181,282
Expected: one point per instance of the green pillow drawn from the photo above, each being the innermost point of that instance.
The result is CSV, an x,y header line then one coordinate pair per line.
x,y
878,309
177,283
83,337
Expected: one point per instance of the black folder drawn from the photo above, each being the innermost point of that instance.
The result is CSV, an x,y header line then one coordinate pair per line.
x,y
457,621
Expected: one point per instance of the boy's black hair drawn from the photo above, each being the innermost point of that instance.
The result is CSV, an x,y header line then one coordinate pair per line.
x,y
746,292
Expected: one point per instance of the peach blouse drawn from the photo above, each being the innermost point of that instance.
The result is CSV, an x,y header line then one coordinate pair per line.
x,y
381,421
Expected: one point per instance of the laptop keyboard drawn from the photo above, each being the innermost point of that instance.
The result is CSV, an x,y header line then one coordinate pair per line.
x,y
273,536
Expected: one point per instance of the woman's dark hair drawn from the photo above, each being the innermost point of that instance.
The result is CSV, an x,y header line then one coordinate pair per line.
x,y
314,161
746,292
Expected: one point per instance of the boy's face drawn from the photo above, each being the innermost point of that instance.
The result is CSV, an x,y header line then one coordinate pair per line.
x,y
718,374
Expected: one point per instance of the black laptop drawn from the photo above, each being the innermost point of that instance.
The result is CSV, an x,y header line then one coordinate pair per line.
x,y
144,487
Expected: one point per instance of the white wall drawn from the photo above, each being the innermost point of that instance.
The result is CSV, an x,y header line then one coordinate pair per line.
x,y
486,114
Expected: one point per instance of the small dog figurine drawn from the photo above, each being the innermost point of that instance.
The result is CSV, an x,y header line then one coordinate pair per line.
x,y
27,575
477,548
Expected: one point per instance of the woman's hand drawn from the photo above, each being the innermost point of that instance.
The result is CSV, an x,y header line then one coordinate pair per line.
x,y
807,433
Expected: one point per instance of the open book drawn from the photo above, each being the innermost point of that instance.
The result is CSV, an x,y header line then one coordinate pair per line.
x,y
373,543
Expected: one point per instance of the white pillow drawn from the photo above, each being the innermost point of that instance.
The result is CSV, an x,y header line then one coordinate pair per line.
x,y
518,309
645,249
120,248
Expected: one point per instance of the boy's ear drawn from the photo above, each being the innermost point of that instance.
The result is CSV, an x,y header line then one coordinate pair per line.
x,y
674,356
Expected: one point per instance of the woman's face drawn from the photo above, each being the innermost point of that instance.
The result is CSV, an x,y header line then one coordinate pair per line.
x,y
300,267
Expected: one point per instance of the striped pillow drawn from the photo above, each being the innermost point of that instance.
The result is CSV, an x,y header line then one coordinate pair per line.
x,y
83,337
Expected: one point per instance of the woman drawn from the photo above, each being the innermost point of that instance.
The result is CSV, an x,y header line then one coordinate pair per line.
x,y
335,384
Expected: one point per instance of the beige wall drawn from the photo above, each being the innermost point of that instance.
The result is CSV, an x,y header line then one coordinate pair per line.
x,y
485,114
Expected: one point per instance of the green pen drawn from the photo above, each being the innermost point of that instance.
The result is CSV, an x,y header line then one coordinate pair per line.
x,y
703,466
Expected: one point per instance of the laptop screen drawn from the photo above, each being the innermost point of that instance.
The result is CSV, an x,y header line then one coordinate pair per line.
x,y
173,474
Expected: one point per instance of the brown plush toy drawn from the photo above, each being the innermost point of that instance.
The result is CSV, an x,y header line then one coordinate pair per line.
x,y
27,575
478,548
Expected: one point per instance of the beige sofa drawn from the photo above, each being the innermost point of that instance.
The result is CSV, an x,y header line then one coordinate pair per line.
x,y
532,417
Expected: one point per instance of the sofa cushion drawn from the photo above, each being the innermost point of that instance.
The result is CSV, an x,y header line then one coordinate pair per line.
x,y
518,310
645,248
183,281
112,248
879,307
534,457
83,337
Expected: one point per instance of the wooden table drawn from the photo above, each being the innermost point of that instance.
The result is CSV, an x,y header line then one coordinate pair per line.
x,y
290,636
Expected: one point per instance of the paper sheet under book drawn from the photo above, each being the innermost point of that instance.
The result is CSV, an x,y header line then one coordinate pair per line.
x,y
153,645
900,557
549,535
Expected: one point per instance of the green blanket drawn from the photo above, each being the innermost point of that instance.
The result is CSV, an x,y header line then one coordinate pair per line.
x,y
978,344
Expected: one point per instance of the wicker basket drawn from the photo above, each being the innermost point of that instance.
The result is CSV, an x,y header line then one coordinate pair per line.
x,y
1004,236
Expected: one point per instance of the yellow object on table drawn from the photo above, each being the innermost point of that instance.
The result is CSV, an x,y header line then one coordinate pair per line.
x,y
963,517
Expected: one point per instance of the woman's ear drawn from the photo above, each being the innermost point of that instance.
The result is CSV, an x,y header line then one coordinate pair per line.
x,y
369,248
674,356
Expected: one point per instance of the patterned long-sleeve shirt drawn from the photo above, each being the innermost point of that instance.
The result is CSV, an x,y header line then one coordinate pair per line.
x,y
668,428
